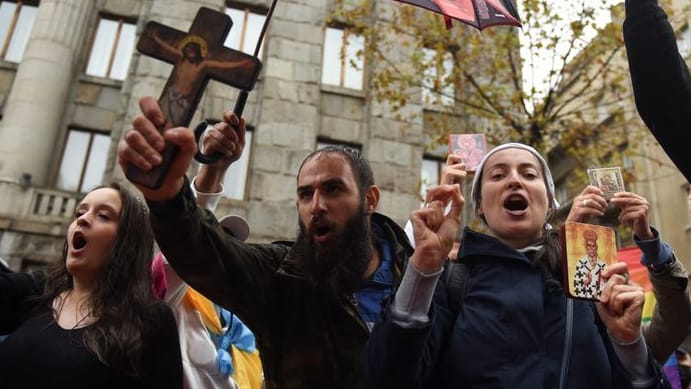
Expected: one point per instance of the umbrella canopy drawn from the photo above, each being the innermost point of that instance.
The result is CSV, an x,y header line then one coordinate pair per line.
x,y
476,13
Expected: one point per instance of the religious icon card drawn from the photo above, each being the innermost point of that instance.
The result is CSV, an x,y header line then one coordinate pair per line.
x,y
608,179
470,147
587,249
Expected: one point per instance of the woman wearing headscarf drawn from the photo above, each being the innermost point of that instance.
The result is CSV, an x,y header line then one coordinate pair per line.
x,y
515,328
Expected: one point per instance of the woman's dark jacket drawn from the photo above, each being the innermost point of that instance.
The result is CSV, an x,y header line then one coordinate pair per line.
x,y
509,333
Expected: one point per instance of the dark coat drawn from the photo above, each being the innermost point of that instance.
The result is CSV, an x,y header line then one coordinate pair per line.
x,y
660,77
509,333
305,340
40,354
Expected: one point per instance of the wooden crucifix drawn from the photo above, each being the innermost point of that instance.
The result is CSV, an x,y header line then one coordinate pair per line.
x,y
197,57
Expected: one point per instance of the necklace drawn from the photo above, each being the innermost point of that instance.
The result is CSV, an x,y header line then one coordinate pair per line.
x,y
78,322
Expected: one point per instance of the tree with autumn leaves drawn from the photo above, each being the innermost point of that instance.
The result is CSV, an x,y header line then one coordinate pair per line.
x,y
574,103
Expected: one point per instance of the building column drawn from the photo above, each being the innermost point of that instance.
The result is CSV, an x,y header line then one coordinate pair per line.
x,y
38,97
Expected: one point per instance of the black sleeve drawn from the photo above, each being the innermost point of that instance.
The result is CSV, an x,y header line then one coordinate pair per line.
x,y
15,289
621,378
229,272
660,77
399,357
163,358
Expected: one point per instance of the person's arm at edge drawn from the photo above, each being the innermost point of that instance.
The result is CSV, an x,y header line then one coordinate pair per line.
x,y
220,268
634,357
658,71
164,359
671,319
228,139
15,288
401,349
205,198
660,77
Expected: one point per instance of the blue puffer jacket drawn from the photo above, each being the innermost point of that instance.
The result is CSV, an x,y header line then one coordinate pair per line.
x,y
509,333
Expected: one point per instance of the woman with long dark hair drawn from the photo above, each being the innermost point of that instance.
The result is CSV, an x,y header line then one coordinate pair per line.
x,y
92,321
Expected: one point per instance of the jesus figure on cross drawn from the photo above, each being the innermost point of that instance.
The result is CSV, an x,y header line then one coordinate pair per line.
x,y
191,65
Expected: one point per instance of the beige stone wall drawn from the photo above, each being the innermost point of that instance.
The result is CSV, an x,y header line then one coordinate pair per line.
x,y
288,109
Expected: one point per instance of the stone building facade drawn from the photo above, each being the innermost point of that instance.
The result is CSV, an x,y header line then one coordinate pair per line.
x,y
70,81
653,174
63,114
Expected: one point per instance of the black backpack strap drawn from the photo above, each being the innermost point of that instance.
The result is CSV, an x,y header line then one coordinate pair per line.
x,y
455,278
568,344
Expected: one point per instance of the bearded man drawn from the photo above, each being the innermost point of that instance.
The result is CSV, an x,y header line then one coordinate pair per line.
x,y
311,305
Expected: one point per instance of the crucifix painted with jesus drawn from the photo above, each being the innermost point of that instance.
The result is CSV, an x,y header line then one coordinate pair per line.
x,y
197,56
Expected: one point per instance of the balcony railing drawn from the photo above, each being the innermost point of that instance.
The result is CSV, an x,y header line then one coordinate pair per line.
x,y
36,204
51,205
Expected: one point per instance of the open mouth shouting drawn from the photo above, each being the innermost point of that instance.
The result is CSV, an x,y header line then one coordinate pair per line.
x,y
78,242
321,230
516,204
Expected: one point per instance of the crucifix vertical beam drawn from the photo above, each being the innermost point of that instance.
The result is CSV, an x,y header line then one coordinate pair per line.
x,y
197,57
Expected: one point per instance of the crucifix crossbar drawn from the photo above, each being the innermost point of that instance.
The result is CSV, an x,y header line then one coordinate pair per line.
x,y
197,57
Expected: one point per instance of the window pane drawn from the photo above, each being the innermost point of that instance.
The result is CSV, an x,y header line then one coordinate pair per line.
x,y
448,90
6,15
96,165
20,36
103,45
233,38
331,64
73,160
429,175
123,53
429,76
437,87
255,22
236,177
353,75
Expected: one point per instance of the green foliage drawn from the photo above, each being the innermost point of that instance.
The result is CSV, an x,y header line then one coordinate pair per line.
x,y
584,108
579,110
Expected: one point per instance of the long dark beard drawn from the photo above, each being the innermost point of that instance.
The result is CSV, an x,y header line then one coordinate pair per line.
x,y
336,268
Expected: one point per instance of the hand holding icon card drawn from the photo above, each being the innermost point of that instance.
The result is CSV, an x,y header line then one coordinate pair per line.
x,y
587,249
470,147
608,179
